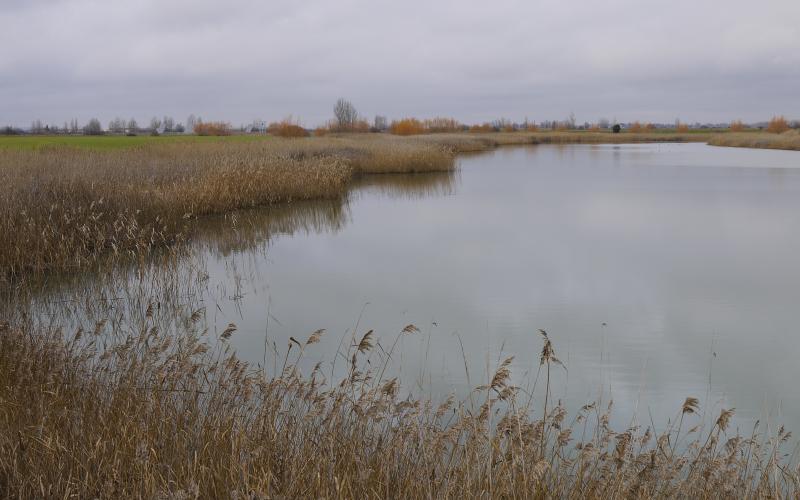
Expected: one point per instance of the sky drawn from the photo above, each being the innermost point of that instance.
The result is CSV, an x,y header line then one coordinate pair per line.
x,y
241,60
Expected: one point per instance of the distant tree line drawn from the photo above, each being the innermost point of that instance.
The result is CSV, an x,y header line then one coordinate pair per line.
x,y
346,119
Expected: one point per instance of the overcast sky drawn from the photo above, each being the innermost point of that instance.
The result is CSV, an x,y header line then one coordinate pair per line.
x,y
238,60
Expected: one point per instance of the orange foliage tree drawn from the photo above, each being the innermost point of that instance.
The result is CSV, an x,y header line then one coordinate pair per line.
x,y
737,126
213,128
777,125
407,126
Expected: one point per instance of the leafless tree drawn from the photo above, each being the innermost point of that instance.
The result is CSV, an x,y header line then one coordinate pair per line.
x,y
133,127
116,126
169,124
381,123
93,127
345,113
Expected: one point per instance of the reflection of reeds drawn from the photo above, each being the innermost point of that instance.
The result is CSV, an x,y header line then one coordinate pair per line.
x,y
410,186
246,230
148,411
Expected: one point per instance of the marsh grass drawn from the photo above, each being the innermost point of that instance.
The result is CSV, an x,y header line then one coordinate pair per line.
x,y
162,409
65,208
789,140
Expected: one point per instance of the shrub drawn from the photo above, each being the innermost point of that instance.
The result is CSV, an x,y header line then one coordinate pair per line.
x,y
681,128
407,126
287,128
213,128
636,127
485,127
737,126
778,125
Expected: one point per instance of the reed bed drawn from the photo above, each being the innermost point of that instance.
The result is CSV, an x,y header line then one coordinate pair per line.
x,y
160,410
787,140
65,208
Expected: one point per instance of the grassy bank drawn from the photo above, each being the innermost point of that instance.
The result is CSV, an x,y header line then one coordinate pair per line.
x,y
789,140
153,412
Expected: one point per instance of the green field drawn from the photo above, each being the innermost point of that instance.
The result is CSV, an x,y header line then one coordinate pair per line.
x,y
112,141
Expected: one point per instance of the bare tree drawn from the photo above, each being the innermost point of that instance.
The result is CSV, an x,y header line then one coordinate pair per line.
x,y
169,124
190,123
155,124
93,127
37,127
346,114
381,123
116,126
73,126
133,127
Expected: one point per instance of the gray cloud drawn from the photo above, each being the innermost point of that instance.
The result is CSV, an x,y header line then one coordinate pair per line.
x,y
239,60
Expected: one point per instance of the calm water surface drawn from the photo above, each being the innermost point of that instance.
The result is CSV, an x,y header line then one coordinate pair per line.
x,y
659,271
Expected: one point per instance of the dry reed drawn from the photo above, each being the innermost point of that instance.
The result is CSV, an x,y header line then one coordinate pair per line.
x,y
154,412
787,140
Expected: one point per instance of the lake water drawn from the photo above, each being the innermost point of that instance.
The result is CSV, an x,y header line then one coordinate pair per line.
x,y
659,272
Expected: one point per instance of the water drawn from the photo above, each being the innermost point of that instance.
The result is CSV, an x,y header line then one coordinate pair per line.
x,y
659,272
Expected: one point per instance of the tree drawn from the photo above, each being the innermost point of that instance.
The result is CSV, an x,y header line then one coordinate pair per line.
x,y
190,123
169,124
73,126
179,128
155,124
345,114
93,127
116,126
133,127
380,123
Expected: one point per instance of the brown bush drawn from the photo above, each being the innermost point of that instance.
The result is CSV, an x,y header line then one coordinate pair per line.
x,y
737,126
407,126
778,125
213,128
682,128
636,127
287,128
484,127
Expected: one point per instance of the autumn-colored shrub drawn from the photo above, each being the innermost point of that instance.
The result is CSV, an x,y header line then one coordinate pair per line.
x,y
407,126
737,126
681,128
484,127
636,127
649,127
778,125
287,128
213,128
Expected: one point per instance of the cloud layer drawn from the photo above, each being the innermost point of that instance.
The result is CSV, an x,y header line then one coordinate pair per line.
x,y
239,60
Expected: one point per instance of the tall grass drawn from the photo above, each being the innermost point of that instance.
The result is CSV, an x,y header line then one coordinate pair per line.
x,y
67,208
787,140
155,411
